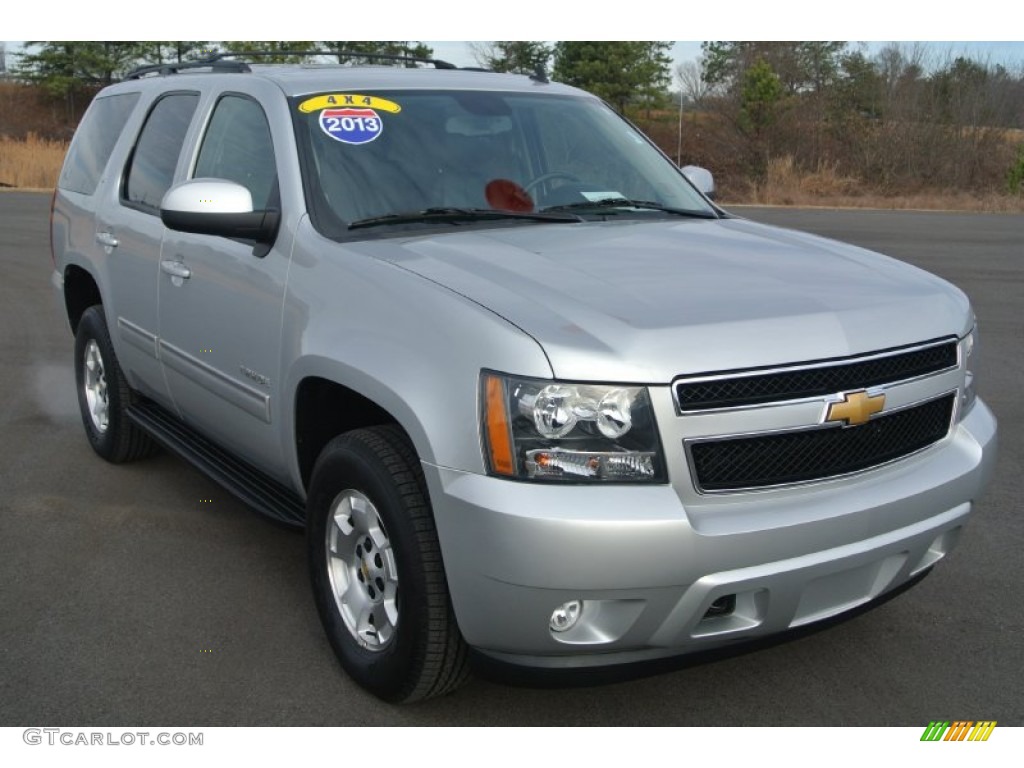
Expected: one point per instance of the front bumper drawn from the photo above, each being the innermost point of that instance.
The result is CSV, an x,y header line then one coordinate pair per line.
x,y
648,567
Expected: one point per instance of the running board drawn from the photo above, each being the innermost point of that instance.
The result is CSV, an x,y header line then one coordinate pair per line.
x,y
249,484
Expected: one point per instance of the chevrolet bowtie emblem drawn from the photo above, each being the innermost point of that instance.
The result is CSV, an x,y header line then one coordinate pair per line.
x,y
855,408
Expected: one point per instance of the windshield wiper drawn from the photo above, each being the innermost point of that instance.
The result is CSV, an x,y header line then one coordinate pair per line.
x,y
455,215
623,202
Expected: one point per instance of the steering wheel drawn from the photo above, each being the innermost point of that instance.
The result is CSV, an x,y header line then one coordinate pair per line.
x,y
549,177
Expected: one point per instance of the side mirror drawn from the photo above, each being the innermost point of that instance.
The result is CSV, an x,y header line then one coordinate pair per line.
x,y
217,207
701,179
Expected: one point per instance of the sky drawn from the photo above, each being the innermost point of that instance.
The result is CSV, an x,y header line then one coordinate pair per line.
x,y
1007,53
445,24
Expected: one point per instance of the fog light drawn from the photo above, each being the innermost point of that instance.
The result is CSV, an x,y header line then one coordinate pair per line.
x,y
566,615
723,606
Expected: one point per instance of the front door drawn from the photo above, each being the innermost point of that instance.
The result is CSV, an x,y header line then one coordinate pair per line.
x,y
220,299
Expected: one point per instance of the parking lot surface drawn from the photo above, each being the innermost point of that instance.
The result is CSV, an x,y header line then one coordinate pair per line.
x,y
145,595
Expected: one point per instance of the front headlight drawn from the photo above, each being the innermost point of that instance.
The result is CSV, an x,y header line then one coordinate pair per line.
x,y
562,431
969,354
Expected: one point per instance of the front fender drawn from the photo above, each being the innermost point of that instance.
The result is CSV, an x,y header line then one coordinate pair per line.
x,y
411,346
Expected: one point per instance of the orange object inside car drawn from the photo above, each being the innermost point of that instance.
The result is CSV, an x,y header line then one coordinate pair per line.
x,y
505,195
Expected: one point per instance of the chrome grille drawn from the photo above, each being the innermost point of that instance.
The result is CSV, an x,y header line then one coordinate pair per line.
x,y
801,455
813,379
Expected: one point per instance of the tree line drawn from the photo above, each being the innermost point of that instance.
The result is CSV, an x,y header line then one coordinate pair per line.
x,y
70,69
623,73
897,120
892,120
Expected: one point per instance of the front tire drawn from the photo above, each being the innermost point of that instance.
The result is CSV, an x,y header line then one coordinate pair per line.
x,y
104,394
376,569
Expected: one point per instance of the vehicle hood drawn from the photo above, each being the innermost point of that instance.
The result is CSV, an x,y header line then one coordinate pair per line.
x,y
633,301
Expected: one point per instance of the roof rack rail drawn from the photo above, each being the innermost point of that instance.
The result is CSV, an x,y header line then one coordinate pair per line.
x,y
222,62
213,62
437,63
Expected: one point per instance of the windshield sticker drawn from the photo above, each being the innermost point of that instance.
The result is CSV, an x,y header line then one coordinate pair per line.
x,y
354,100
351,126
600,196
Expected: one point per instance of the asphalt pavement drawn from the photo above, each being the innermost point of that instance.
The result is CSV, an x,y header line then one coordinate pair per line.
x,y
145,595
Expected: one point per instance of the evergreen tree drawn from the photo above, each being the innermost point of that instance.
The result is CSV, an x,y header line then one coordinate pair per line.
x,y
521,56
620,72
279,50
385,47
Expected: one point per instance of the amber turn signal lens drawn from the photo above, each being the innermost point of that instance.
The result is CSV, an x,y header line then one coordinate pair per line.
x,y
499,439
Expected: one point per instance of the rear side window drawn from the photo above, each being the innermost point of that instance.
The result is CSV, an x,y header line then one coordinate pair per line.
x,y
238,147
151,169
94,141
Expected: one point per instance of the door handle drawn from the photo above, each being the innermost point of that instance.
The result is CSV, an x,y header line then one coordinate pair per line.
x,y
176,269
107,239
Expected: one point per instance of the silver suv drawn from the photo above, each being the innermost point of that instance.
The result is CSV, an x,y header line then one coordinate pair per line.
x,y
528,390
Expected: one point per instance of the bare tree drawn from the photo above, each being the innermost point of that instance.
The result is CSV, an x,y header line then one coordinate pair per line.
x,y
692,85
899,64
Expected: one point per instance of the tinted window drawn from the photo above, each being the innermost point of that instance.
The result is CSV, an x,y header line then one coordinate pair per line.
x,y
400,152
574,138
94,141
156,153
238,147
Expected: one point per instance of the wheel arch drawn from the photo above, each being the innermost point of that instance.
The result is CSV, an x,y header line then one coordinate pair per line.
x,y
324,409
80,292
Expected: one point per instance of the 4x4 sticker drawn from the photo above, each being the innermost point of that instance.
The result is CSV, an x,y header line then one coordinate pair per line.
x,y
355,100
350,118
351,126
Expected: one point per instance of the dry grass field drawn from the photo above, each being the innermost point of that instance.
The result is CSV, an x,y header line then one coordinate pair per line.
x,y
33,163
787,185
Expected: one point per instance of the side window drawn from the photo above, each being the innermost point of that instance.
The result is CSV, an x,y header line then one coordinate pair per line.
x,y
94,141
238,147
155,157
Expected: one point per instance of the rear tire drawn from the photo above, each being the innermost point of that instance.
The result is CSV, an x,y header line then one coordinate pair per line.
x,y
376,569
104,395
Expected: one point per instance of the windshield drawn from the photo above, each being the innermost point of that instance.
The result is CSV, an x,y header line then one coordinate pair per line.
x,y
442,158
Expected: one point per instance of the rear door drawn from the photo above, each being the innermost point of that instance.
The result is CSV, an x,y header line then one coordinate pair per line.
x,y
129,230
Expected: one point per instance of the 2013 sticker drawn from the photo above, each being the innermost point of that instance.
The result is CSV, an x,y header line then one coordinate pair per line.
x,y
351,126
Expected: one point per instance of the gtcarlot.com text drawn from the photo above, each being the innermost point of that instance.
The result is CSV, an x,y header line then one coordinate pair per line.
x,y
70,738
